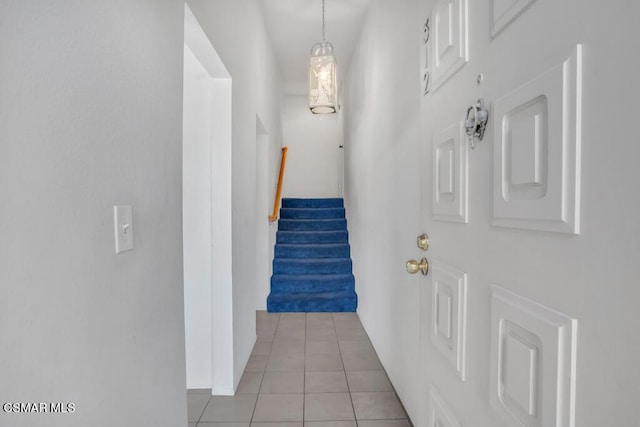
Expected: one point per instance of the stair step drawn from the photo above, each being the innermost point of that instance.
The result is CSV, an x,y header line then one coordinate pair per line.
x,y
312,266
308,237
312,283
312,213
312,203
312,224
312,302
327,250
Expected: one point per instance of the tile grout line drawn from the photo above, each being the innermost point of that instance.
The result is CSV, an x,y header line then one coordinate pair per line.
x,y
264,372
203,409
304,371
344,370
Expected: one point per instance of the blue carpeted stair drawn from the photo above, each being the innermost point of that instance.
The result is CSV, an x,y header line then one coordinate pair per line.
x,y
312,265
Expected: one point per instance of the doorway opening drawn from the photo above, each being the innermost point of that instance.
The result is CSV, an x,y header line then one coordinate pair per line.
x,y
207,214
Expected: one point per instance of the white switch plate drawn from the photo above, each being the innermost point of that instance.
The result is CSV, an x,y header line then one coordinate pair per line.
x,y
123,221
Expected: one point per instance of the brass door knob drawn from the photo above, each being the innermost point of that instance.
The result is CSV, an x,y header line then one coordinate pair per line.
x,y
423,241
414,266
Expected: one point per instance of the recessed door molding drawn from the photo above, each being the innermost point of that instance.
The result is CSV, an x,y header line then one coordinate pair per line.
x,y
450,174
440,413
533,361
449,315
504,12
450,45
537,143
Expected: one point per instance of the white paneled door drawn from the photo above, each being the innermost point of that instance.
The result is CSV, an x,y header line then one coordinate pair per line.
x,y
527,313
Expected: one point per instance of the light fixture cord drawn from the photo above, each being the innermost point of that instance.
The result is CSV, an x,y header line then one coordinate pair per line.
x,y
323,24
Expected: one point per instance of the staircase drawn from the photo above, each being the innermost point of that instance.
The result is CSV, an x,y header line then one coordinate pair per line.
x,y
312,264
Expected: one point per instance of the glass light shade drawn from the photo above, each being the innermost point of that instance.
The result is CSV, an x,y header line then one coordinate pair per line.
x,y
323,88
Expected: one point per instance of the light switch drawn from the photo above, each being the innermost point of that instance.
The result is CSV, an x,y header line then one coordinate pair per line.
x,y
123,220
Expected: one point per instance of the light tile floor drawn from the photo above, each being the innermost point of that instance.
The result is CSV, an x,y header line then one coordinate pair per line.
x,y
312,369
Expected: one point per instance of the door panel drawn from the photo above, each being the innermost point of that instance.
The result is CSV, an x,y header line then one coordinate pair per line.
x,y
450,174
537,151
449,39
532,362
449,315
502,330
503,12
440,414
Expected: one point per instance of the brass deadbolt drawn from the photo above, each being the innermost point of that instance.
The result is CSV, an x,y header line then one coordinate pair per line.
x,y
423,241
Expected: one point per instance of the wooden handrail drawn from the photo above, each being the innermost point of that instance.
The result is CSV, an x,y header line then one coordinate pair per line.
x,y
276,203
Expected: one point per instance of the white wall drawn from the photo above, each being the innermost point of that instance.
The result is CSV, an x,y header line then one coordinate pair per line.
x,y
233,27
314,153
269,108
381,108
88,122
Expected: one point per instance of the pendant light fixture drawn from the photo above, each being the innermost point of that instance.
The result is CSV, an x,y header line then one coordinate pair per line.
x,y
323,87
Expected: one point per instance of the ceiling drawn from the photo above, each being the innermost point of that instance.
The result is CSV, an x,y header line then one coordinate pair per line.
x,y
295,25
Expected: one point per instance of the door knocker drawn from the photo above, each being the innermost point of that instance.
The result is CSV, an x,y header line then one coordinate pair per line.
x,y
476,122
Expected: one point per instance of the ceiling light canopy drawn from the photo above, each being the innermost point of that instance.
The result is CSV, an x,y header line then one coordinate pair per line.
x,y
323,87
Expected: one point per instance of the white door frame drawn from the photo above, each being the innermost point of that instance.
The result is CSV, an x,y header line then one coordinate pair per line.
x,y
220,329
262,212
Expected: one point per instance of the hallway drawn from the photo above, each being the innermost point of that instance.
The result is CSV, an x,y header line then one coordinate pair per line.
x,y
503,130
319,368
